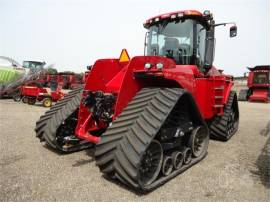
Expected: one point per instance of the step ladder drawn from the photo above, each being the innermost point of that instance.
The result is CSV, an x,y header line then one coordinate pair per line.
x,y
218,92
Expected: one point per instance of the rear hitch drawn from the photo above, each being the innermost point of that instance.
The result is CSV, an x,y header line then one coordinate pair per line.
x,y
71,140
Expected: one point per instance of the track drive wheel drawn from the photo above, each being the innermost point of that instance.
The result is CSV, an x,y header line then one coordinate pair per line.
x,y
151,163
47,102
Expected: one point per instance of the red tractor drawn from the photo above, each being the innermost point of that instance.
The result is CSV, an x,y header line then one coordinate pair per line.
x,y
258,85
150,117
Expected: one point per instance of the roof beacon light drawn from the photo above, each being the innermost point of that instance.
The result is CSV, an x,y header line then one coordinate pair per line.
x,y
173,16
180,15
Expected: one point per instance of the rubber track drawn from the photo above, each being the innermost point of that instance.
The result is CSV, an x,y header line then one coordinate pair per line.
x,y
48,123
42,122
218,128
119,152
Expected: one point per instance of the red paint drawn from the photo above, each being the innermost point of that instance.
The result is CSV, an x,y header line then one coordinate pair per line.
x,y
259,91
110,76
125,79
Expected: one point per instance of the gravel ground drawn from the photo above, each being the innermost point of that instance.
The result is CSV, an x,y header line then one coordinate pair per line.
x,y
238,170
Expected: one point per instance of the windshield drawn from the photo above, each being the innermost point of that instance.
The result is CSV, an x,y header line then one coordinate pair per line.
x,y
182,41
261,78
32,64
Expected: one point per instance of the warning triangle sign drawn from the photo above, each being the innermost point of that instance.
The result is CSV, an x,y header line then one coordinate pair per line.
x,y
124,57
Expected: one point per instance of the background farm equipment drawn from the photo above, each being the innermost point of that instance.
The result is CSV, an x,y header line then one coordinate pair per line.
x,y
14,76
70,80
65,79
258,85
151,116
33,92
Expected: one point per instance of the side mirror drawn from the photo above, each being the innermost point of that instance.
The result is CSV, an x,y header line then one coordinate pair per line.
x,y
233,31
89,67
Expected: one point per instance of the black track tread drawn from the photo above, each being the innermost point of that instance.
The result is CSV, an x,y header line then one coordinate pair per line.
x,y
42,122
47,126
55,121
118,154
218,128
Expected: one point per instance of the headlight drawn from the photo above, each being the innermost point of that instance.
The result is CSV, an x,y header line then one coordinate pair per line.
x,y
147,65
159,65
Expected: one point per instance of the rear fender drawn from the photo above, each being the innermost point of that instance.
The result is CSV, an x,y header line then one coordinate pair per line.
x,y
102,72
188,102
102,76
128,89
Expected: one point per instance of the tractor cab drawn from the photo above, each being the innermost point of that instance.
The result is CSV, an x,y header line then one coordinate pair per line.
x,y
186,37
33,65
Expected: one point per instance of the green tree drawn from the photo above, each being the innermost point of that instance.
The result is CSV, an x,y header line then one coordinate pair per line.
x,y
52,70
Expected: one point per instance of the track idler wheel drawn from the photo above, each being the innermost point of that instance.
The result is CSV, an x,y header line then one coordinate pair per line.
x,y
151,163
187,155
198,141
177,158
167,165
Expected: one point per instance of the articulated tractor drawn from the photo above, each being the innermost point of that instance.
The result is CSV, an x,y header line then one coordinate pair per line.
x,y
150,117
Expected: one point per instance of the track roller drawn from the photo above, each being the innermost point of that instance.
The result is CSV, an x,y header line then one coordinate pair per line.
x,y
187,155
177,158
167,165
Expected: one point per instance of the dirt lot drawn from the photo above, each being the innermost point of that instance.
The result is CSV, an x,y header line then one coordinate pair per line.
x,y
238,170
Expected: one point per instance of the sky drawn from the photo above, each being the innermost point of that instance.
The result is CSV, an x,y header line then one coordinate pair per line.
x,y
75,33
